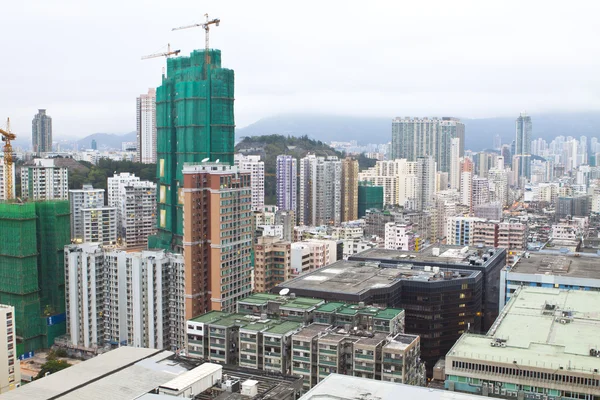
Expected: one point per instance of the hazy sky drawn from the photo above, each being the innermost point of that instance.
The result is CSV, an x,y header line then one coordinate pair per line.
x,y
80,59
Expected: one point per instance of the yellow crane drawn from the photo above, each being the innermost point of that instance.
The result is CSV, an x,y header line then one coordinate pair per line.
x,y
7,136
206,26
167,54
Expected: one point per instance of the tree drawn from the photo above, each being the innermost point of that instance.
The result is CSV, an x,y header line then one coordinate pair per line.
x,y
52,366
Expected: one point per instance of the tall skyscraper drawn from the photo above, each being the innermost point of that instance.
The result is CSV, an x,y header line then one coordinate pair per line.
x,y
523,144
194,121
349,189
287,186
320,190
425,182
217,245
419,137
454,173
146,127
41,132
256,168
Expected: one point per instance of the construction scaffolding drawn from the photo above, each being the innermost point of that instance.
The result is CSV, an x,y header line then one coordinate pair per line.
x,y
195,121
369,196
32,238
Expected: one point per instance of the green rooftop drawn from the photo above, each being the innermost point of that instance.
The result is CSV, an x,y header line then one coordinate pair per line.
x,y
284,327
256,326
302,303
229,320
260,298
330,307
389,313
210,317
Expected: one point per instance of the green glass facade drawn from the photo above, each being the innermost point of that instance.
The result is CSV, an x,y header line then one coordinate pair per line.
x,y
194,121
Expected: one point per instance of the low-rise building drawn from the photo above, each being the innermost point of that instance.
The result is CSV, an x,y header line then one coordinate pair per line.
x,y
543,345
272,263
399,237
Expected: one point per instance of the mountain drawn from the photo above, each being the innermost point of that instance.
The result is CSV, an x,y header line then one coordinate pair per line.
x,y
106,140
479,133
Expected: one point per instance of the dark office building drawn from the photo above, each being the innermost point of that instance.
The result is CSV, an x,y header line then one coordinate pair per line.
x,y
440,303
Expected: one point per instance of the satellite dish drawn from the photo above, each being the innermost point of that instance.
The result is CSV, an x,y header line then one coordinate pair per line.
x,y
284,291
206,159
217,161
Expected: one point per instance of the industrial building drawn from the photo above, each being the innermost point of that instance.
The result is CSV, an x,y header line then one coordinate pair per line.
x,y
576,271
203,128
44,180
32,238
543,345
337,386
218,236
117,297
10,367
131,373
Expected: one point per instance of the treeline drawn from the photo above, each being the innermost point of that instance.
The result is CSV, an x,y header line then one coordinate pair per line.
x,y
97,175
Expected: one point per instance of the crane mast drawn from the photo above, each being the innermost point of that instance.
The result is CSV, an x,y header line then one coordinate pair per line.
x,y
206,26
7,136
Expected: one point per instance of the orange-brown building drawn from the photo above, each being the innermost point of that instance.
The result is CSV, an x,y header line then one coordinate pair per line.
x,y
349,189
217,237
272,263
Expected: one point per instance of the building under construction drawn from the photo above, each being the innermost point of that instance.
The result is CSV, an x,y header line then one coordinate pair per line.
x,y
32,239
195,121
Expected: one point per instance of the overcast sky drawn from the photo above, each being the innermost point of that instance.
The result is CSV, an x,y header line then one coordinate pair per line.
x,y
80,59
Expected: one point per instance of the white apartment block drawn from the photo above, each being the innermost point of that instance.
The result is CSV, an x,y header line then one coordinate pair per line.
x,y
480,192
460,231
3,180
399,237
115,297
99,225
114,186
10,368
398,179
498,181
44,181
146,127
256,168
454,172
136,213
87,197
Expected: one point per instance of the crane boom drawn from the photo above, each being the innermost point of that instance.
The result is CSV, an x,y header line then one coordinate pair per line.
x,y
206,26
7,136
167,54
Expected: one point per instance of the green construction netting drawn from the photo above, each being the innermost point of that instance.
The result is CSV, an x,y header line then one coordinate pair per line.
x,y
194,120
369,197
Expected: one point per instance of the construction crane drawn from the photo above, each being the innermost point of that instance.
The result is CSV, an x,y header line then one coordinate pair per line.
x,y
7,136
206,26
167,54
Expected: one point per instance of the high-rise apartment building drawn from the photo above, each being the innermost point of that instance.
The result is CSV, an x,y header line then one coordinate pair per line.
x,y
217,244
117,297
44,180
349,189
256,168
320,190
10,368
398,179
136,213
99,225
426,169
418,137
287,183
203,127
41,132
87,197
498,180
523,144
480,192
146,127
272,263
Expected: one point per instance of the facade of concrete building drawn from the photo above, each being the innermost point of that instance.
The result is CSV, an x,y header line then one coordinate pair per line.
x,y
398,179
454,168
217,243
312,254
544,345
375,221
512,236
480,192
99,225
320,196
115,298
485,233
41,132
10,367
146,127
44,181
87,197
349,189
272,263
498,179
114,184
399,237
425,174
491,210
523,145
460,231
256,168
287,186
136,213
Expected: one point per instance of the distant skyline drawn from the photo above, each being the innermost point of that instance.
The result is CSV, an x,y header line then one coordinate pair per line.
x,y
81,60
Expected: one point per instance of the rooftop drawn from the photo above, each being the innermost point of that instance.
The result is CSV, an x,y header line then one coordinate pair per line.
x,y
570,264
330,307
401,341
341,387
312,330
287,302
209,317
377,338
356,277
284,327
548,328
